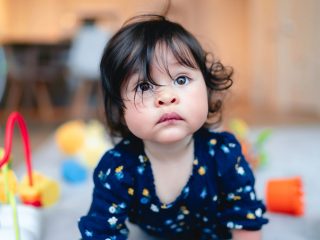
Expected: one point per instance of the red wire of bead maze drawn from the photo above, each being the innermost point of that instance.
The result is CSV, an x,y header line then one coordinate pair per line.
x,y
13,118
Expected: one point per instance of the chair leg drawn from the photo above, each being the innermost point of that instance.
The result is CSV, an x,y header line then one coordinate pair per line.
x,y
43,99
80,102
15,91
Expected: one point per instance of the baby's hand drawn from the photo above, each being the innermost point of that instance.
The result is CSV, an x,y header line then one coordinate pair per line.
x,y
246,235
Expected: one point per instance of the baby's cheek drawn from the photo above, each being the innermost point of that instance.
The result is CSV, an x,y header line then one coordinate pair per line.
x,y
134,117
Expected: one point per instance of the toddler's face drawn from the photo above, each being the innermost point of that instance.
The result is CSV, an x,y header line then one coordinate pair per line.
x,y
171,111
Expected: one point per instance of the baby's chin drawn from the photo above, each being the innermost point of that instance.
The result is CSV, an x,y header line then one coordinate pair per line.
x,y
171,137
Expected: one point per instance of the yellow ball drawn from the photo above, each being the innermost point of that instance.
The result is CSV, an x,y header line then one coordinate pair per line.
x,y
70,136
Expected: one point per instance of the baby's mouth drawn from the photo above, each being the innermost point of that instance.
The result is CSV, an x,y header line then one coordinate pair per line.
x,y
169,117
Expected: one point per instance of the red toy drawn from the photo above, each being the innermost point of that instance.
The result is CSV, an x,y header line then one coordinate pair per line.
x,y
285,195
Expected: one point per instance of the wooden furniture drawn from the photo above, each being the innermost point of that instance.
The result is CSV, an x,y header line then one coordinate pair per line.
x,y
32,68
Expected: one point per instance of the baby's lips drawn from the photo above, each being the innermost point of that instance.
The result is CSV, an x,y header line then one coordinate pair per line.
x,y
169,116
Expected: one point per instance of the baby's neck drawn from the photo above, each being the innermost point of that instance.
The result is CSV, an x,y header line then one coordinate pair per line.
x,y
171,167
169,152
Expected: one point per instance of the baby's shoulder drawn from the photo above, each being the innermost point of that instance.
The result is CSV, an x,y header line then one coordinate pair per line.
x,y
222,148
222,140
123,157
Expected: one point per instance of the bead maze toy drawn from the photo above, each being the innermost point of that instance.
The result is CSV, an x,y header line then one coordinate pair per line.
x,y
21,202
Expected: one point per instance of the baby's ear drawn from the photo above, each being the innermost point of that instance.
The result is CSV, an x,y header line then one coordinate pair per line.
x,y
212,118
214,111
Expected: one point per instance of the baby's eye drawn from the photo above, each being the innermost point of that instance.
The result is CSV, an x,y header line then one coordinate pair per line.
x,y
182,80
144,86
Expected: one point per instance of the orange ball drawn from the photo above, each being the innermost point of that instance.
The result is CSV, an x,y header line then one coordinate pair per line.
x,y
70,136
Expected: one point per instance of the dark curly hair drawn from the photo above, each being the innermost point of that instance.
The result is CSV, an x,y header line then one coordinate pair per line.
x,y
131,50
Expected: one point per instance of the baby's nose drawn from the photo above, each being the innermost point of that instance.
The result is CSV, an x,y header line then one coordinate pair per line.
x,y
166,98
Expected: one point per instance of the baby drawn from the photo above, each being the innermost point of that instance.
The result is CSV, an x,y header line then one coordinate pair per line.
x,y
171,175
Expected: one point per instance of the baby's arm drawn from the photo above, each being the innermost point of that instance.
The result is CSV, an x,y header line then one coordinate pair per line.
x,y
246,235
241,210
111,201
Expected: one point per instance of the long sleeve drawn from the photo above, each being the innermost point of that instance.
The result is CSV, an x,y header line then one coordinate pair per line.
x,y
111,200
239,207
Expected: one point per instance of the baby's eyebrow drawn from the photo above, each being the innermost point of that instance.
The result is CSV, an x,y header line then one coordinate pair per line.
x,y
131,82
134,76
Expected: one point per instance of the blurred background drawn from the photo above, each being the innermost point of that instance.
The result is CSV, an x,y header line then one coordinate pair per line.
x,y
50,50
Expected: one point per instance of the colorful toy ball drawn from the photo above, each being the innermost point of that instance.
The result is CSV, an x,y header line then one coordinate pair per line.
x,y
73,171
70,136
285,195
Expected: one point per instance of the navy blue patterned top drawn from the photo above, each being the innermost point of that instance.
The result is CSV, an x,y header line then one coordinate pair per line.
x,y
219,195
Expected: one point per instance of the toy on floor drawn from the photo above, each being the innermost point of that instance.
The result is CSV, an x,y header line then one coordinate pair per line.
x,y
83,144
73,171
253,151
22,220
70,136
285,195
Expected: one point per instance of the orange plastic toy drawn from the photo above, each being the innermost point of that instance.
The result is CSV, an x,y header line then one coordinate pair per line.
x,y
285,195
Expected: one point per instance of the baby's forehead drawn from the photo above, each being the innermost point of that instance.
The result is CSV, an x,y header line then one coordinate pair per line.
x,y
174,50
165,65
164,57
